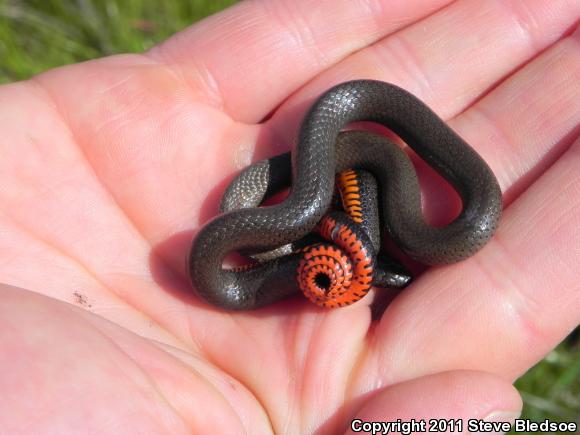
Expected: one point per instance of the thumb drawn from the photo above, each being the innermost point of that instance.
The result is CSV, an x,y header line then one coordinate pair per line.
x,y
450,402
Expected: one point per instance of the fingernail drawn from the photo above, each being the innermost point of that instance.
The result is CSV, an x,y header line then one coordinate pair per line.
x,y
497,416
502,416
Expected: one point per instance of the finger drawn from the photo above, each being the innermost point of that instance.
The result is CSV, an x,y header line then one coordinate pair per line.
x,y
451,58
491,312
248,58
440,399
503,309
521,128
530,120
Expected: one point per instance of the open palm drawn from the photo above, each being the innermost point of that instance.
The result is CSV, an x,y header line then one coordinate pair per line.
x,y
109,167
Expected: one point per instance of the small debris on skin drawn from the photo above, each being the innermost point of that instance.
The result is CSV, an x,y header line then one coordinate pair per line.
x,y
82,299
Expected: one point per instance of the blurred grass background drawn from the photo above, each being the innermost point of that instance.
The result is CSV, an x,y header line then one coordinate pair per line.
x,y
36,35
39,34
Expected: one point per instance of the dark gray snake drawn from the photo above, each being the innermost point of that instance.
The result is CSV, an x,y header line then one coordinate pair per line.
x,y
321,152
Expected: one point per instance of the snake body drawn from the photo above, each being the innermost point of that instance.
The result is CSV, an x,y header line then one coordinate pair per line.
x,y
323,151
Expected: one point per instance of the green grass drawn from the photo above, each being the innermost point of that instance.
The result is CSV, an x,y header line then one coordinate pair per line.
x,y
551,389
36,35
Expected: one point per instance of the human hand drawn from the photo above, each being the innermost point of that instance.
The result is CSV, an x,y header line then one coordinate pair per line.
x,y
109,167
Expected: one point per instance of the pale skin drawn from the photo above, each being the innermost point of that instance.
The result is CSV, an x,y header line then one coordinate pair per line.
x,y
109,168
